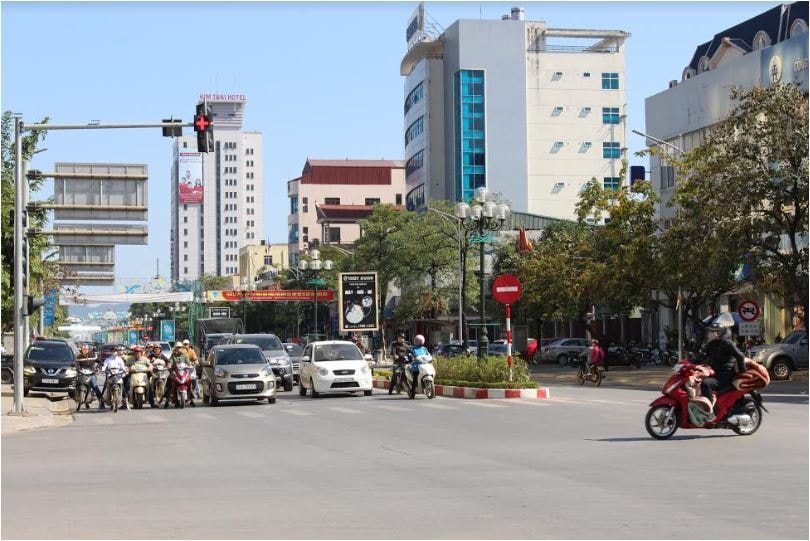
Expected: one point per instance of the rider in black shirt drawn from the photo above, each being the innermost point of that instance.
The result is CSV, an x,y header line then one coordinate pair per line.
x,y
725,359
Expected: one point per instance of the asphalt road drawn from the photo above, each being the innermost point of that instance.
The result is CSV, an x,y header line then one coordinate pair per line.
x,y
577,466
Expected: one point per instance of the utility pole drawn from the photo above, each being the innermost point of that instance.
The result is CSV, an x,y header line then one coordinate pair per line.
x,y
19,326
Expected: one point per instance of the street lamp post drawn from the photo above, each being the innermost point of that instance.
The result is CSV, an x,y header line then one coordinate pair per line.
x,y
484,216
315,264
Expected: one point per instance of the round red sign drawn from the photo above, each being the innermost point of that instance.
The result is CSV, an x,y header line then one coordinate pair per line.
x,y
506,289
748,310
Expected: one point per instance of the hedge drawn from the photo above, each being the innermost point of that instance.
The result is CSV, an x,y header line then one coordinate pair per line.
x,y
489,373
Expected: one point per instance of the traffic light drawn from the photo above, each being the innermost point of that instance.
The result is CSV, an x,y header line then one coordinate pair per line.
x,y
204,127
32,304
25,251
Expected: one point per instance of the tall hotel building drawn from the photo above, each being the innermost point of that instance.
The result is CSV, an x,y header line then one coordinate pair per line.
x,y
216,196
526,110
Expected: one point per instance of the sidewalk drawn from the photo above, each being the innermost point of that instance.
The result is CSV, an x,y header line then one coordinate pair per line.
x,y
40,412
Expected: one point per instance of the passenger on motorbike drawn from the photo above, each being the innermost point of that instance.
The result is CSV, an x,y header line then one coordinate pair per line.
x,y
140,359
418,350
116,361
88,360
399,351
725,359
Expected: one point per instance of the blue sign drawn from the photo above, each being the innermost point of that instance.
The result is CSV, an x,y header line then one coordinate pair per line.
x,y
786,62
49,310
132,337
167,330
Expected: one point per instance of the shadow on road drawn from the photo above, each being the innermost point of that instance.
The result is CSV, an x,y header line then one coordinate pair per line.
x,y
650,439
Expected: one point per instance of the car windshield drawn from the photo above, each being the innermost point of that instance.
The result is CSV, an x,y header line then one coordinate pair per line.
x,y
337,352
794,337
49,352
240,356
264,342
295,350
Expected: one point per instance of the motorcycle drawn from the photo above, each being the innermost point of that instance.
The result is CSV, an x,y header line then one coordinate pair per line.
x,y
586,373
84,392
739,408
181,383
114,385
422,368
160,375
138,384
396,384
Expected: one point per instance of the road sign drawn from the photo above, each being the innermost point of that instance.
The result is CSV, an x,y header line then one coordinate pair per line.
x,y
87,258
51,298
749,328
100,191
748,310
167,330
219,311
506,289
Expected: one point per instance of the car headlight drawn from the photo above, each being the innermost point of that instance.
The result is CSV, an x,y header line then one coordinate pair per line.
x,y
323,372
271,384
70,372
364,370
267,371
220,373
29,370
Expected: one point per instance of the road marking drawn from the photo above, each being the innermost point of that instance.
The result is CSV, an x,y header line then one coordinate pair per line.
x,y
301,413
153,418
485,404
606,401
438,406
393,408
252,414
206,416
103,420
343,410
540,403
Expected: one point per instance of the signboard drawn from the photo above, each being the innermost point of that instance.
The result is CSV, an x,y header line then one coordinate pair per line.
x,y
749,328
132,337
167,330
357,302
748,310
270,295
100,191
189,185
49,310
87,258
786,62
76,234
506,289
416,25
219,311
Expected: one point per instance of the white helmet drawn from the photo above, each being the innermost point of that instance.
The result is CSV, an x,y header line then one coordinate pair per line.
x,y
419,340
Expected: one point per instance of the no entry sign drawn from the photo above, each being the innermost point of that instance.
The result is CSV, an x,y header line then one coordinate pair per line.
x,y
506,289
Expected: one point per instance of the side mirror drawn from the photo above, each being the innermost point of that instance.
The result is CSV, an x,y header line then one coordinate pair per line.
x,y
803,341
368,357
288,347
305,359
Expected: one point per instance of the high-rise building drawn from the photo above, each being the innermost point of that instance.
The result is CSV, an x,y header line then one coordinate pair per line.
x,y
217,197
528,111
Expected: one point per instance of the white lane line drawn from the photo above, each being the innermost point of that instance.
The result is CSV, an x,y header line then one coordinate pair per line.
x,y
605,401
103,419
393,408
153,418
252,414
436,406
343,410
300,413
206,416
536,403
484,404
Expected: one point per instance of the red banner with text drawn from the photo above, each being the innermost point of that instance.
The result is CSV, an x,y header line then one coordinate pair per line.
x,y
278,295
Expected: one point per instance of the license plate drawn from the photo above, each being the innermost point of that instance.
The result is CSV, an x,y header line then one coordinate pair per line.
x,y
245,386
49,380
343,380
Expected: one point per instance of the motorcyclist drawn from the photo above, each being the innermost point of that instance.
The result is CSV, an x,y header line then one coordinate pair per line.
x,y
178,357
399,351
418,350
596,355
116,361
192,359
156,353
140,359
724,358
87,359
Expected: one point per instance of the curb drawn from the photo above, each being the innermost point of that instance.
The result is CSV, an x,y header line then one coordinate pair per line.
x,y
540,393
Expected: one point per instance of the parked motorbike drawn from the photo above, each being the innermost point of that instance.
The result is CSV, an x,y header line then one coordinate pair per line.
x,y
181,383
84,392
422,368
592,373
138,385
739,408
114,386
160,375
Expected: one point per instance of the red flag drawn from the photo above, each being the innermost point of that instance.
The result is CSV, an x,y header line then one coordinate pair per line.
x,y
524,244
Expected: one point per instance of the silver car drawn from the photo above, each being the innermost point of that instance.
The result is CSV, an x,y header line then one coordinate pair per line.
x,y
563,350
783,358
274,352
295,352
237,372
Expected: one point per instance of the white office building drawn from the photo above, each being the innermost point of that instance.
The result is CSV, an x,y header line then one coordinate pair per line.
x,y
527,110
217,197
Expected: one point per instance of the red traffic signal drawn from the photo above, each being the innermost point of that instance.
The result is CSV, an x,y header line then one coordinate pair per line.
x,y
204,127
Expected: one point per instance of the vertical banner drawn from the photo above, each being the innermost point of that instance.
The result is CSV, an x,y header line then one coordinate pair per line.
x,y
357,302
167,330
132,337
189,185
49,310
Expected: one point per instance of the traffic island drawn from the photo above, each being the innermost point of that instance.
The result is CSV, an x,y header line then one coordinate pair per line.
x,y
452,391
40,412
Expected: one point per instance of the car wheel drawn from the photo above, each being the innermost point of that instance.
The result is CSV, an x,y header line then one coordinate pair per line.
x,y
562,360
271,400
288,385
367,393
302,391
312,390
205,398
780,368
214,400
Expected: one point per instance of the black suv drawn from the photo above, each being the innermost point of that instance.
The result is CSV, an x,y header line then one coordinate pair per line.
x,y
48,366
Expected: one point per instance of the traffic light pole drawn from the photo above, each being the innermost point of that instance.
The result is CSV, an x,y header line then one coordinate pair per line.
x,y
19,294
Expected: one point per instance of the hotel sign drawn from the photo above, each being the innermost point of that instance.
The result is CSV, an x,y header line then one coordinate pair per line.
x,y
222,97
786,62
416,26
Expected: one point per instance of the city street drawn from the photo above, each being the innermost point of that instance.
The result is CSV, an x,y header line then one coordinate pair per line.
x,y
579,465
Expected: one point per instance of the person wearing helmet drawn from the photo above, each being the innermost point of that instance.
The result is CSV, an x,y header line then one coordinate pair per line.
x,y
596,355
178,357
140,359
116,360
192,359
725,359
399,350
86,359
418,350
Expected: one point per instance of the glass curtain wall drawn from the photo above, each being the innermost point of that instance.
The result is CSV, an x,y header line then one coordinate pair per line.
x,y
470,137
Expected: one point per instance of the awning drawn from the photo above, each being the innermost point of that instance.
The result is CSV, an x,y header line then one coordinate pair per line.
x,y
126,298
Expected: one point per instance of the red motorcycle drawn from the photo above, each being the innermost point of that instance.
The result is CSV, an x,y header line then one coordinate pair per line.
x,y
740,408
181,385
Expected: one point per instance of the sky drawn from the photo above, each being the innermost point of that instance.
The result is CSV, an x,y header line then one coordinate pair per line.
x,y
321,79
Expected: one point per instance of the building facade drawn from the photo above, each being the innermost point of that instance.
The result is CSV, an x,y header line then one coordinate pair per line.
x,y
769,48
260,263
217,197
528,111
330,196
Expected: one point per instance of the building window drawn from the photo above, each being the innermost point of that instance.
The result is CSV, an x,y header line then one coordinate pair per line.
x,y
704,64
470,140
185,270
798,26
586,74
414,163
398,199
611,183
293,205
331,201
557,111
416,198
334,235
268,260
414,130
610,115
293,237
584,147
611,150
372,201
185,232
185,207
414,96
761,40
185,244
610,81
667,177
305,203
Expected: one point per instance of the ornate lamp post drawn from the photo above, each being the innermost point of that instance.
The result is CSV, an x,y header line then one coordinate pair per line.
x,y
315,264
484,217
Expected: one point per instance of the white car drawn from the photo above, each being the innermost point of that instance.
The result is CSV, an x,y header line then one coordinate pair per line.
x,y
334,366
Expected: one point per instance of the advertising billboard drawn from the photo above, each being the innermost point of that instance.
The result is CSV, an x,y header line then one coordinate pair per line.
x,y
786,62
357,302
167,330
190,185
